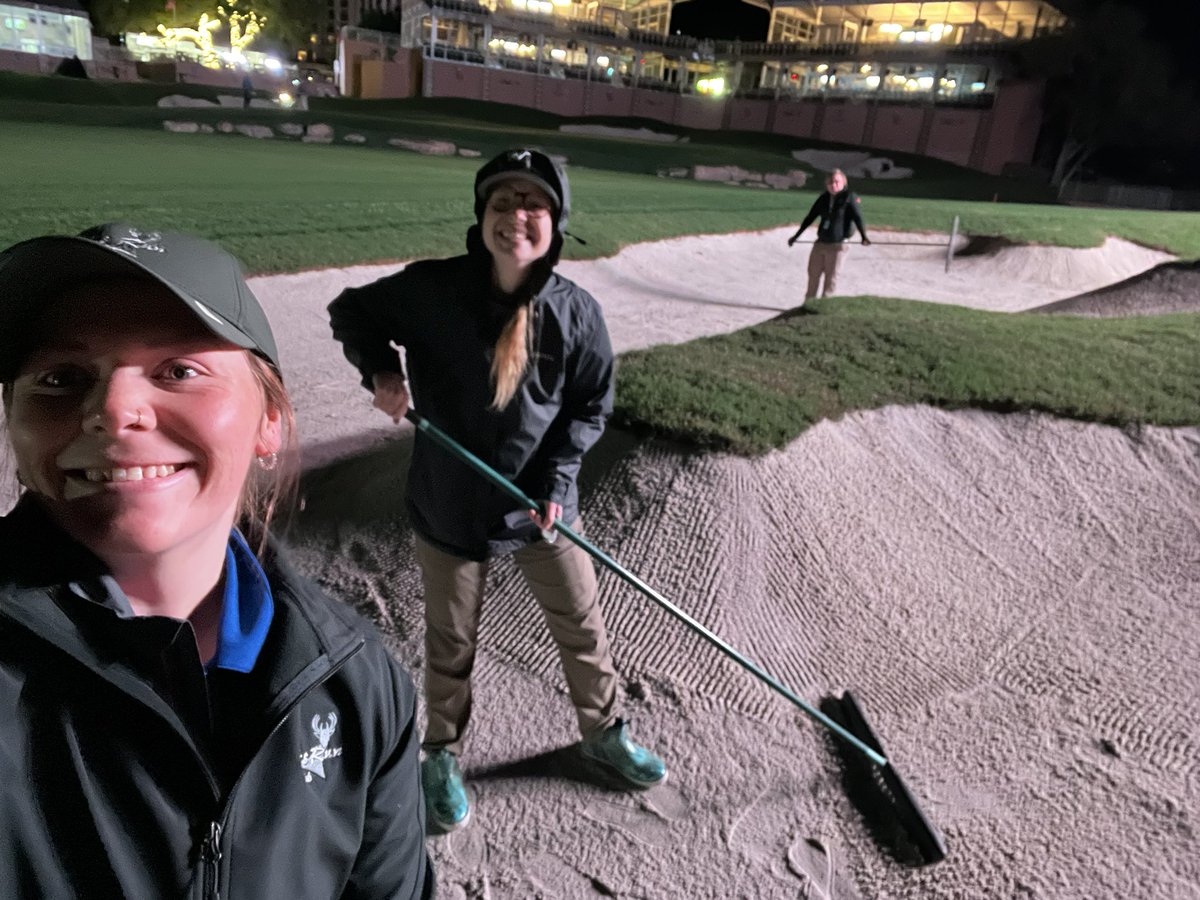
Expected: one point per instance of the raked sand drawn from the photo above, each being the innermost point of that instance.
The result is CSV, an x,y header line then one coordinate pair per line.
x,y
1015,599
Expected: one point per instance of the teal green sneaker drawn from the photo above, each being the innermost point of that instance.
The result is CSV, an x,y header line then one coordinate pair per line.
x,y
446,803
614,749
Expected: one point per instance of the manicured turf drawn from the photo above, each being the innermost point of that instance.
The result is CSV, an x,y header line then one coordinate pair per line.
x,y
283,205
758,388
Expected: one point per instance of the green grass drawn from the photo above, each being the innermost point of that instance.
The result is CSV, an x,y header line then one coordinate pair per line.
x,y
759,388
284,205
77,153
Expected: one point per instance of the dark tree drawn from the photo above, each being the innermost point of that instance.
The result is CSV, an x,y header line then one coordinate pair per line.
x,y
1109,86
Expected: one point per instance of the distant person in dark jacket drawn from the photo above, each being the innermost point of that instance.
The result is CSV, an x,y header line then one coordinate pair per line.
x,y
514,362
183,714
838,210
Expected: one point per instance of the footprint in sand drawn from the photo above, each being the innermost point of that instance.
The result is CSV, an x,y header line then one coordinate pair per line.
x,y
469,849
812,861
649,822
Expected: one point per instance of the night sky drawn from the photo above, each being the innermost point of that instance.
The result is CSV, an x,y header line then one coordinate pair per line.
x,y
726,19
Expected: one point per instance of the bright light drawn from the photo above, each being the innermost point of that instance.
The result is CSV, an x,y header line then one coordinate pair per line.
x,y
890,28
907,37
822,68
714,86
824,79
286,100
873,81
925,82
978,86
558,53
511,46
273,64
602,61
865,68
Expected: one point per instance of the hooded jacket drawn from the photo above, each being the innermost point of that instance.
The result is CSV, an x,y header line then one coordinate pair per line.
x,y
447,316
130,773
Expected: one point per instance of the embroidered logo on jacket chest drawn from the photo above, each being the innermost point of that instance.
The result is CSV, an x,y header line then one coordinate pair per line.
x,y
312,761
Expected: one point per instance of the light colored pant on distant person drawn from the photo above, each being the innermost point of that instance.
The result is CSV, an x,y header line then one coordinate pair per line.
x,y
563,581
824,260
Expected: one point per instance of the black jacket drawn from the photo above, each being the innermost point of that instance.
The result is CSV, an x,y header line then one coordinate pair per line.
x,y
839,214
447,316
119,784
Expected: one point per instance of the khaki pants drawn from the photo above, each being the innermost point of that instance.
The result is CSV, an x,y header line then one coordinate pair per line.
x,y
824,260
563,581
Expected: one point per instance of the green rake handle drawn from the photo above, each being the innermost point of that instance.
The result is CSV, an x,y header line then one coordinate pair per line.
x,y
456,449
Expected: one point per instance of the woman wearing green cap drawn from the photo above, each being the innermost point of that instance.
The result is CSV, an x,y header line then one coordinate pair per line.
x,y
184,715
513,361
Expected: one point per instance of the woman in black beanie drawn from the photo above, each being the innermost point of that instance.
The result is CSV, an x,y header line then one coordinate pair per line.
x,y
514,362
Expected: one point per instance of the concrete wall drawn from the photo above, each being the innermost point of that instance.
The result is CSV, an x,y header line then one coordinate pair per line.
x,y
563,96
506,86
606,100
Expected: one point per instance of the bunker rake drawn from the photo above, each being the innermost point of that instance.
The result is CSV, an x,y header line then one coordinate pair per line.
x,y
853,729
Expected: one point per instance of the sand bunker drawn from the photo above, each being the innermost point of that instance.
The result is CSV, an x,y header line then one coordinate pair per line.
x,y
1167,288
1015,599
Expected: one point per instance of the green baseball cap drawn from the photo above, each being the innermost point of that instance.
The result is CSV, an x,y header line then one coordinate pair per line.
x,y
207,279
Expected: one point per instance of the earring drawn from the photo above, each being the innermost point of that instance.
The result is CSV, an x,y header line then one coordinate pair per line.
x,y
269,462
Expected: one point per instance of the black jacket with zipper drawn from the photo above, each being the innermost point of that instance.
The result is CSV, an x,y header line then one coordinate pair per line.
x,y
447,316
839,214
297,780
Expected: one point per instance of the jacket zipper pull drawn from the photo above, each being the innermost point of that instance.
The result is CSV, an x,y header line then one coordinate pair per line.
x,y
210,853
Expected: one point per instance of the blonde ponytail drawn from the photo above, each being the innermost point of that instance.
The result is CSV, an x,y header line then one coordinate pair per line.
x,y
511,357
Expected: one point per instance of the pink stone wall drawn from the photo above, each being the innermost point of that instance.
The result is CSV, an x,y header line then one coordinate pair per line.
x,y
952,134
897,128
605,100
563,96
446,79
749,115
658,105
844,123
796,118
698,111
505,86
1016,118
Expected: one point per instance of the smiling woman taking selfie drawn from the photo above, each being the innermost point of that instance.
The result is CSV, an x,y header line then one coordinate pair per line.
x,y
184,715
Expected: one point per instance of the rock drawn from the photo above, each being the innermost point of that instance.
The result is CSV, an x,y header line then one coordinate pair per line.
x,y
255,131
225,127
206,129
473,154
355,139
428,148
319,131
181,127
292,129
179,100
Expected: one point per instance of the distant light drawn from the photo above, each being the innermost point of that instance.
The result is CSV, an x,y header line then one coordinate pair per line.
x,y
823,67
978,86
602,61
925,82
558,53
873,81
273,64
890,28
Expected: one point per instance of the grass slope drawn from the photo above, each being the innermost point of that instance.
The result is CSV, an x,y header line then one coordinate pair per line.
x,y
759,388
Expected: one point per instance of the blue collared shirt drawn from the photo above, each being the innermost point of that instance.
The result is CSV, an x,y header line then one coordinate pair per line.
x,y
247,610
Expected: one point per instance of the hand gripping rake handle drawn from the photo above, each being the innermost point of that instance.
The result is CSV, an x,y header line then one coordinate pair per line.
x,y
456,449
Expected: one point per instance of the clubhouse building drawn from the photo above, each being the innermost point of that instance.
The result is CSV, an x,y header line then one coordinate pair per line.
x,y
933,79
